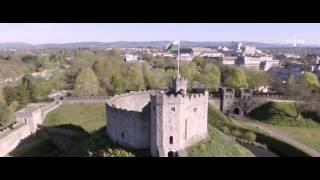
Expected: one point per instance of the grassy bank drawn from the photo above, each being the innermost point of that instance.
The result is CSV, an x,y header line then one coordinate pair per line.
x,y
308,136
284,114
243,131
35,146
218,146
90,117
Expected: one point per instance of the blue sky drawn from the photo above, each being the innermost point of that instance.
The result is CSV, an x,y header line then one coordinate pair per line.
x,y
38,33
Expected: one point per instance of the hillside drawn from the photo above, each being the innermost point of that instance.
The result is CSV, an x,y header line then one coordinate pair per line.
x,y
284,114
218,145
136,44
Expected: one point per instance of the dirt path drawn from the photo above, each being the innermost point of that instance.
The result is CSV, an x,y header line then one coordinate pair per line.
x,y
281,135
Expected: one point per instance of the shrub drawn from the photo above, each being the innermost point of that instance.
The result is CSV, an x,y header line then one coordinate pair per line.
x,y
236,133
249,136
225,130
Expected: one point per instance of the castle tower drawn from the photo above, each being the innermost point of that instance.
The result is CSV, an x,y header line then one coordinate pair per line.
x,y
179,85
178,119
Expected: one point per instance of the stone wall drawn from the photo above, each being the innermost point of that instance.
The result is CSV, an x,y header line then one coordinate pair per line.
x,y
177,121
62,138
128,119
84,99
29,118
11,140
27,121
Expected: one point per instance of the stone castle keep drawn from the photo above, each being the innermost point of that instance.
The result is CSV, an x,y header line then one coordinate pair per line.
x,y
166,122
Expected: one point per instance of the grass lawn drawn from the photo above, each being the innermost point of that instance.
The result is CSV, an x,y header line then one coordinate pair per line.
x,y
34,146
218,146
90,117
284,114
308,136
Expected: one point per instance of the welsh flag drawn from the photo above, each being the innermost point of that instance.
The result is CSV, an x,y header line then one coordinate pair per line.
x,y
173,46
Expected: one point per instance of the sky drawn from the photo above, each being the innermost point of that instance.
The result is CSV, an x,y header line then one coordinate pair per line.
x,y
39,33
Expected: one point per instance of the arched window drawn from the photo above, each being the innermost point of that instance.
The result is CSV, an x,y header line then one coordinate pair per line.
x,y
171,139
122,134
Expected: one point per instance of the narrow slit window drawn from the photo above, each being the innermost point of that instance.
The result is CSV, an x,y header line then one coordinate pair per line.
x,y
171,139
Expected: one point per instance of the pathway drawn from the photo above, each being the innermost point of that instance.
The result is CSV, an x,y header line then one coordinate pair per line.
x,y
281,135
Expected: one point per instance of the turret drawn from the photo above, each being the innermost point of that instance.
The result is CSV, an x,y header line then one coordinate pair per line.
x,y
179,85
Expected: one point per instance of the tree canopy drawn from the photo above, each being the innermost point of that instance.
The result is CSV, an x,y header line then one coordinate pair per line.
x,y
236,79
86,83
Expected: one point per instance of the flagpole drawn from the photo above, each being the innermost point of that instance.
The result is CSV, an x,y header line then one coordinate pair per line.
x,y
178,59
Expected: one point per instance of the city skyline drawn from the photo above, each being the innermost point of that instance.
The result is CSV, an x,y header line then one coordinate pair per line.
x,y
42,33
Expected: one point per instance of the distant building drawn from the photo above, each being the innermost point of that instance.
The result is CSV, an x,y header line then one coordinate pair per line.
x,y
228,60
236,46
212,54
256,62
197,51
132,58
249,50
186,57
267,64
283,73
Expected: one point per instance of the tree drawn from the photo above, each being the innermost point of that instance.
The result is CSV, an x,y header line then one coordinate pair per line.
x,y
86,83
4,113
135,78
39,91
1,94
159,62
291,79
310,80
257,78
170,64
31,60
209,75
158,78
236,79
58,80
7,113
118,83
199,61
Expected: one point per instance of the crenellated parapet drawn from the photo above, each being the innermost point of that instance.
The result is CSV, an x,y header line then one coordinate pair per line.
x,y
162,97
116,101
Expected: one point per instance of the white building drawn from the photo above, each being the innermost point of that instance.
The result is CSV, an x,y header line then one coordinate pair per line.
x,y
197,51
228,60
236,46
249,50
212,54
186,57
265,65
131,57
257,62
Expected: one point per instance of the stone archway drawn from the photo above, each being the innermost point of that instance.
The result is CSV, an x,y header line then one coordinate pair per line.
x,y
170,154
236,111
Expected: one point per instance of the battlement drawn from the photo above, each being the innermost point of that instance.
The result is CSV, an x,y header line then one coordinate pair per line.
x,y
161,97
267,95
133,101
179,84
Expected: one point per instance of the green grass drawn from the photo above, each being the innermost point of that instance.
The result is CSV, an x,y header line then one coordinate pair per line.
x,y
308,136
35,146
284,114
218,146
90,117
239,129
99,141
